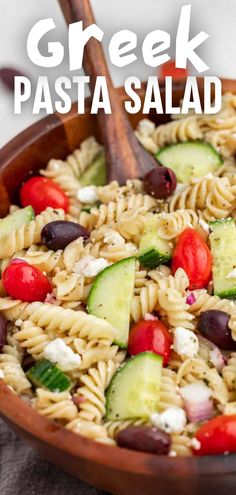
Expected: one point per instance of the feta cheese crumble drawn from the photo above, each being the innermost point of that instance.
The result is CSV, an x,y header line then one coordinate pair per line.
x,y
231,274
172,420
146,127
58,352
18,323
195,444
87,194
89,266
204,225
1,375
185,342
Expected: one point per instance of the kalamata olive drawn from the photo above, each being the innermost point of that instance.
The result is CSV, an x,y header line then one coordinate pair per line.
x,y
160,182
213,325
7,75
145,438
58,234
3,332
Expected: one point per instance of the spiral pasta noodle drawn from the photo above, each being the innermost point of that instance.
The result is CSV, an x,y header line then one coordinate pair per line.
x,y
92,391
93,352
46,261
13,309
214,197
88,429
113,428
171,225
169,395
10,365
181,445
205,302
232,325
177,131
112,212
195,369
145,302
77,250
55,405
32,338
229,372
69,322
30,233
176,308
70,287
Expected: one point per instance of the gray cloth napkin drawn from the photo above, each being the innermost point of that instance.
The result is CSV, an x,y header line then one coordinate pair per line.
x,y
23,472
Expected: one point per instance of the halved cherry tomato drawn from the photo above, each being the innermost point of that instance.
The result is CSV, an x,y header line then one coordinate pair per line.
x,y
150,335
41,193
193,255
169,69
217,436
25,282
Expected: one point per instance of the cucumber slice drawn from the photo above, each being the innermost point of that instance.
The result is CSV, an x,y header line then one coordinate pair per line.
x,y
15,220
223,248
111,296
134,391
190,159
47,375
153,251
96,173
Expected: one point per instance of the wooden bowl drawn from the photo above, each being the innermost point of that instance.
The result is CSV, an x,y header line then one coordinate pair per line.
x,y
110,468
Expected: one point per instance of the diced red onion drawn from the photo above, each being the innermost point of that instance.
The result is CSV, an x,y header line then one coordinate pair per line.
x,y
51,299
197,402
191,299
150,317
217,358
215,355
78,399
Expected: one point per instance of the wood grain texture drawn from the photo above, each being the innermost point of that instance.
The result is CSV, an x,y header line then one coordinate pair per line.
x,y
115,470
125,157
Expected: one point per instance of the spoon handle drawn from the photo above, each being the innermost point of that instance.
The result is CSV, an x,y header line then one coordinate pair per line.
x,y
116,132
94,61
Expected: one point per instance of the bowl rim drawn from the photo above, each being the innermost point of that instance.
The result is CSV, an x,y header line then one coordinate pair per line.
x,y
15,411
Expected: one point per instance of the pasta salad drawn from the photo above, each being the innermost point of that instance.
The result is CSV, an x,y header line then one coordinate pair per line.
x,y
117,303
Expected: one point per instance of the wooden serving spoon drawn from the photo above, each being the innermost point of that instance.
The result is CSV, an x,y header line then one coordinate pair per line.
x,y
126,158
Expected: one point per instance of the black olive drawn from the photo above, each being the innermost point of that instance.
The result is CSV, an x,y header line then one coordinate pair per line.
x,y
58,234
213,325
3,332
160,182
146,439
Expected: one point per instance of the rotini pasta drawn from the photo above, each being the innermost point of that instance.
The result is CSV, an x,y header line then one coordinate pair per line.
x,y
28,234
92,391
55,405
214,197
69,322
10,365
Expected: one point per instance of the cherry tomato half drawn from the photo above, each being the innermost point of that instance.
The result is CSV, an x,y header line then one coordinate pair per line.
x,y
41,193
150,335
25,282
169,69
217,436
193,255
